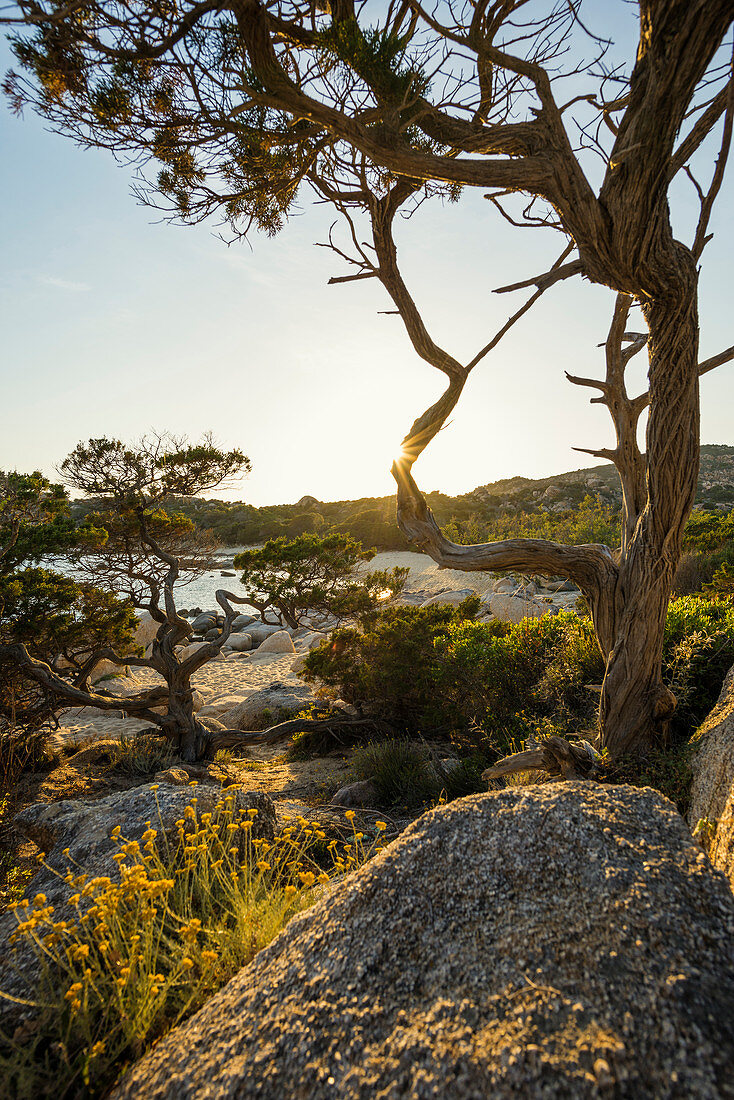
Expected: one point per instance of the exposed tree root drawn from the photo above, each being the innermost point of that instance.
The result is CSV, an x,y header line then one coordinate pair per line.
x,y
283,731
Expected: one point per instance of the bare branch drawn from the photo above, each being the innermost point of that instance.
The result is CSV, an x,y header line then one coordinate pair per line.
x,y
352,278
716,361
589,566
542,282
707,201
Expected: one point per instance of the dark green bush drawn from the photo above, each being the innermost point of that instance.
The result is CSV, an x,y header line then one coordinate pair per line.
x,y
699,651
708,545
437,671
390,665
487,686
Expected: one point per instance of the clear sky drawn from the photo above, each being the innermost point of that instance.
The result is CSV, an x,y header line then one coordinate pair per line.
x,y
112,323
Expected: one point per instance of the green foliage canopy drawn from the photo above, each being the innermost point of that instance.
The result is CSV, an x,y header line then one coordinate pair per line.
x,y
289,577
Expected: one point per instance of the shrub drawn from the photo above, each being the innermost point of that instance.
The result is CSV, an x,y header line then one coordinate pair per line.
x,y
437,671
400,771
698,652
145,952
141,756
389,662
668,770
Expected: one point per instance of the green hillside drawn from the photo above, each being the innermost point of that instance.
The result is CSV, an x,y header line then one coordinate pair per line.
x,y
577,506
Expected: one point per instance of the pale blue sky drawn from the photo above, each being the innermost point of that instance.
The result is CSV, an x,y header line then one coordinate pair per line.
x,y
112,325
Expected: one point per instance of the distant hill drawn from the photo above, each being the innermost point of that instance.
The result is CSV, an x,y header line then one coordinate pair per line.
x,y
563,491
577,506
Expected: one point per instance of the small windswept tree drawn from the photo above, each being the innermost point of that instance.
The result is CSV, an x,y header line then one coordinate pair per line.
x,y
59,619
288,578
34,520
139,553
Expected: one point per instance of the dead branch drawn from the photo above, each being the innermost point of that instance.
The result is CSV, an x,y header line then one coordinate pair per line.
x,y
716,361
137,706
555,755
548,279
625,413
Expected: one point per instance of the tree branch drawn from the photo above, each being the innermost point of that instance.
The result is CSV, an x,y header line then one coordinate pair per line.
x,y
137,706
542,282
590,566
716,361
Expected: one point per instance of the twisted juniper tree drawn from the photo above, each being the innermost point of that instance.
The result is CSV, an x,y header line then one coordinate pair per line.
x,y
141,554
376,106
289,578
59,619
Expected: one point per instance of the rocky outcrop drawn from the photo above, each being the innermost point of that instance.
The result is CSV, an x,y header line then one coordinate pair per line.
x,y
260,631
280,642
711,813
559,941
146,629
277,701
452,597
515,607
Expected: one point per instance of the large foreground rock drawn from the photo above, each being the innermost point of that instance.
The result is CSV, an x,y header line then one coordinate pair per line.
x,y
712,791
556,941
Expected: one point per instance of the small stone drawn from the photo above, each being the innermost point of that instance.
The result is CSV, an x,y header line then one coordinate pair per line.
x,y
362,794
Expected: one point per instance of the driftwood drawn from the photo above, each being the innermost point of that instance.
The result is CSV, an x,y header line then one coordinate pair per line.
x,y
555,755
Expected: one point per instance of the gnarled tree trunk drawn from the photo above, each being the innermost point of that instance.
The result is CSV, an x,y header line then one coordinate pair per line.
x,y
636,706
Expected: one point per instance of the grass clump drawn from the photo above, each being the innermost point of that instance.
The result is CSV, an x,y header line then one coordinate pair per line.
x,y
142,953
668,770
400,771
407,775
137,757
